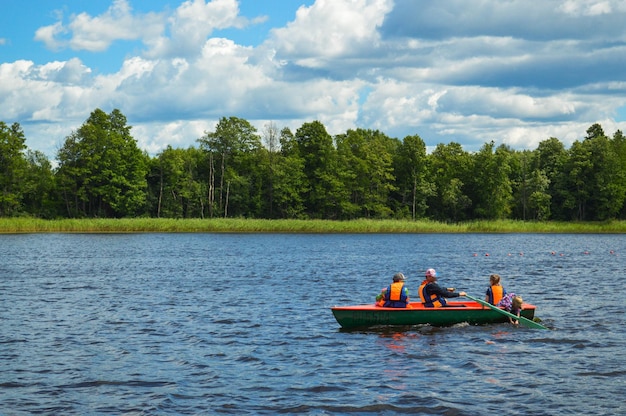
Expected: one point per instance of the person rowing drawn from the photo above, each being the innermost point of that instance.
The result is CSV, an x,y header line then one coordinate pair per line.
x,y
434,296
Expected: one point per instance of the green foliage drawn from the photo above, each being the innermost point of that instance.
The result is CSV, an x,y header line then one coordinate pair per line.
x,y
229,148
40,194
550,158
324,194
491,183
360,174
290,184
12,168
177,191
366,172
451,169
102,172
598,189
411,168
239,225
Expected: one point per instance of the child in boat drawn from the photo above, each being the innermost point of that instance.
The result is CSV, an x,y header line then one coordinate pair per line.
x,y
495,291
380,298
512,303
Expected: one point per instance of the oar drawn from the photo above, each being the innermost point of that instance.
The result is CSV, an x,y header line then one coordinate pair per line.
x,y
522,320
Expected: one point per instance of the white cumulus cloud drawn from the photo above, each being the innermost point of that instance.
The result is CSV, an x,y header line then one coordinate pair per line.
x,y
448,70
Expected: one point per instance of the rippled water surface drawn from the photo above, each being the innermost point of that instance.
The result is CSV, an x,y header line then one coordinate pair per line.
x,y
194,324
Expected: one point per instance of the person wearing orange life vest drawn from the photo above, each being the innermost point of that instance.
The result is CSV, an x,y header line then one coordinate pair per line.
x,y
432,295
397,294
380,298
495,291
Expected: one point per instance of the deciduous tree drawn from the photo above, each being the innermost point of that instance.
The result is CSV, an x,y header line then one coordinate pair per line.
x,y
102,172
412,175
232,139
325,193
451,166
12,168
491,190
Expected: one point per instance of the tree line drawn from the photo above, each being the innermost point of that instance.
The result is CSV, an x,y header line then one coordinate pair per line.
x,y
236,171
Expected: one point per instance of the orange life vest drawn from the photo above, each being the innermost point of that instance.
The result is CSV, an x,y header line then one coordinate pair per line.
x,y
395,296
396,291
432,301
495,294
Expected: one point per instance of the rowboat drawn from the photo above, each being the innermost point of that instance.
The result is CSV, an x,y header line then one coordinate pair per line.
x,y
473,312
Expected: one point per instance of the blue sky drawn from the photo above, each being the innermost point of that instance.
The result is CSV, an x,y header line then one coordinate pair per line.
x,y
447,70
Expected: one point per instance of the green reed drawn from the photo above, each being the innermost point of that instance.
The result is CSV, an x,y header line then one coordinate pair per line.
x,y
239,225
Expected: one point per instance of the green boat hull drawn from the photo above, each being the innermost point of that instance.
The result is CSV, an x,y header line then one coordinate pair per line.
x,y
363,316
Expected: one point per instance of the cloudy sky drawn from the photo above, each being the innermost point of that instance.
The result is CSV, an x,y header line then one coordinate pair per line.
x,y
515,72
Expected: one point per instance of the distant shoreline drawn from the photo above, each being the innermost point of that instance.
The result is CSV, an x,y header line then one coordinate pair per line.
x,y
237,225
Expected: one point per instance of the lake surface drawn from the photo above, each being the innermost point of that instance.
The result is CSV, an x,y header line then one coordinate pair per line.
x,y
196,324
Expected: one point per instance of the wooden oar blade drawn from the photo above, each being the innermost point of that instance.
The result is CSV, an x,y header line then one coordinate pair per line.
x,y
528,323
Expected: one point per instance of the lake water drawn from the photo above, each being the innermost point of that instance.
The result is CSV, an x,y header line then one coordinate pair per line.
x,y
196,324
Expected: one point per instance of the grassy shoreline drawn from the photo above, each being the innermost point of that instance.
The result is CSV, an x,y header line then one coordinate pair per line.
x,y
234,225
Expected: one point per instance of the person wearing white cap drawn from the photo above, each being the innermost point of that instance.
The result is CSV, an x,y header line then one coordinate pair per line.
x,y
433,295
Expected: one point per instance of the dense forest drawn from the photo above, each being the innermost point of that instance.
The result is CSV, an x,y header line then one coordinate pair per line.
x,y
236,171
